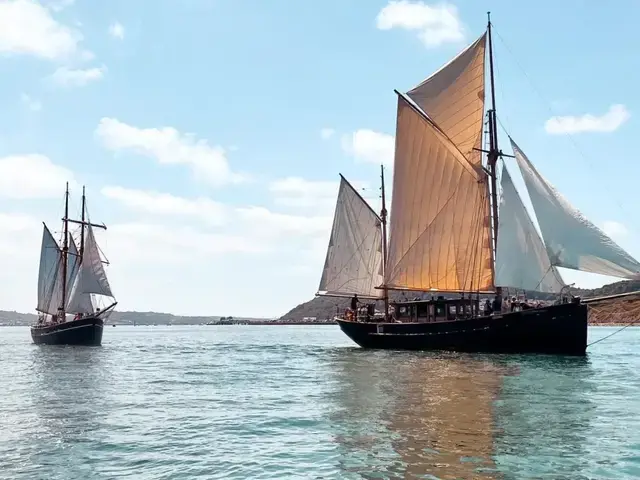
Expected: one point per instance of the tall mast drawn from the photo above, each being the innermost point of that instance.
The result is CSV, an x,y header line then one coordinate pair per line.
x,y
383,217
81,251
494,152
65,251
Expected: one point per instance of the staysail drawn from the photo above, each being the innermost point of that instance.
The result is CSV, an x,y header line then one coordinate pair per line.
x,y
353,264
91,278
521,258
440,236
453,98
571,240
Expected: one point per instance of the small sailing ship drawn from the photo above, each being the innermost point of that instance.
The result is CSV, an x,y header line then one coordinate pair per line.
x,y
451,233
69,280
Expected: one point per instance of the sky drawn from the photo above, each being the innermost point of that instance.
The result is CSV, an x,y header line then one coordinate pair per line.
x,y
210,133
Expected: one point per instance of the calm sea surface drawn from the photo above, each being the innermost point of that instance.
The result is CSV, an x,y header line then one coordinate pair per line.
x,y
302,402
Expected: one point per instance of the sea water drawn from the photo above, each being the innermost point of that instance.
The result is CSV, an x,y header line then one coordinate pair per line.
x,y
289,402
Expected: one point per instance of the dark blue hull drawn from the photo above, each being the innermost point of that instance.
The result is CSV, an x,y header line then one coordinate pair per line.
x,y
85,331
556,329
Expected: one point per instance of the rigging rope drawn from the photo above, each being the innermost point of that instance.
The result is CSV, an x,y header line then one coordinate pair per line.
x,y
630,313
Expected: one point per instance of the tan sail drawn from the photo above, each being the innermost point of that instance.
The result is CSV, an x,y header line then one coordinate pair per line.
x,y
440,236
453,98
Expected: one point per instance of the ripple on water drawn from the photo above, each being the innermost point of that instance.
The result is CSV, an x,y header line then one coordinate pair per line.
x,y
302,402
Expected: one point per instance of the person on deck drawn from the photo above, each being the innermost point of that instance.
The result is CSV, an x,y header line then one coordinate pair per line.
x,y
354,303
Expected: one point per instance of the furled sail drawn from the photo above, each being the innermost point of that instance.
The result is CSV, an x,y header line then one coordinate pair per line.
x,y
48,273
440,237
91,278
353,264
521,258
453,98
571,240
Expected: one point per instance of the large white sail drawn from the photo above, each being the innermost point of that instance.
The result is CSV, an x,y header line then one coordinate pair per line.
x,y
571,240
353,264
48,274
91,278
521,258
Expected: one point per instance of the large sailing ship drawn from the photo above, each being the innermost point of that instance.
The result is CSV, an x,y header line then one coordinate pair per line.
x,y
451,233
69,280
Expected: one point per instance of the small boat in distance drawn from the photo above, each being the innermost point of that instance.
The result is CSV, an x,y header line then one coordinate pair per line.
x,y
453,238
67,280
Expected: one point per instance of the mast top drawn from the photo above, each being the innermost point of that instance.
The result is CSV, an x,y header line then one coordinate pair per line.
x,y
488,18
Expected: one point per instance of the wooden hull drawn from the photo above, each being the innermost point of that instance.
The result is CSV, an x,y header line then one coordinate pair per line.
x,y
85,331
556,329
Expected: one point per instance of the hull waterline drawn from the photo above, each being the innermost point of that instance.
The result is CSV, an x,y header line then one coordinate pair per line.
x,y
85,331
556,329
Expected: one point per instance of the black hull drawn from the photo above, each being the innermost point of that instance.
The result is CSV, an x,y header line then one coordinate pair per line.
x,y
86,331
556,329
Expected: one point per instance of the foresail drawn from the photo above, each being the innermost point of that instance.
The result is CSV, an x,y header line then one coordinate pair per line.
x,y
521,258
353,264
440,225
49,269
571,240
453,98
73,264
91,277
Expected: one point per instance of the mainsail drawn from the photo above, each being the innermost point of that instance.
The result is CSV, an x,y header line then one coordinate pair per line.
x,y
440,229
521,258
353,264
48,274
90,279
571,240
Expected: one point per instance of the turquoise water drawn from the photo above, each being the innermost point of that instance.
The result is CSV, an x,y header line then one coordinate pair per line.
x,y
302,402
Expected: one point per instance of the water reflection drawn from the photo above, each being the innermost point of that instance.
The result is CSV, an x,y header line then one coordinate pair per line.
x,y
446,416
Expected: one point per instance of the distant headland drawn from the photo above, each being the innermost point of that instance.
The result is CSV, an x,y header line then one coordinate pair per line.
x,y
321,310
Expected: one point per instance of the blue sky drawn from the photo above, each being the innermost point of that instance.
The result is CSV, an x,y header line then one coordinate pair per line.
x,y
210,133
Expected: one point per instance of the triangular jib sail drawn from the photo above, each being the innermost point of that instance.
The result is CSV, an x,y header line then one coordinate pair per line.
x,y
521,259
91,278
353,264
571,240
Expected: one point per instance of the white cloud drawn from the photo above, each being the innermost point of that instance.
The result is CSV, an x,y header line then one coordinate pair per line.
x,y
116,30
204,209
609,122
369,146
160,243
68,77
31,103
435,24
248,221
58,5
168,146
327,133
26,27
267,223
615,230
33,176
298,192
302,193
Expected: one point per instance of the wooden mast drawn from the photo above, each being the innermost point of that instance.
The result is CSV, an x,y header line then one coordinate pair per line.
x,y
383,217
81,251
494,151
65,254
